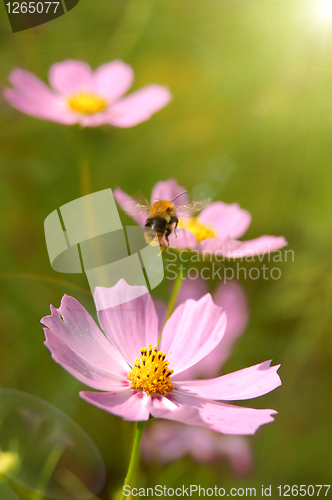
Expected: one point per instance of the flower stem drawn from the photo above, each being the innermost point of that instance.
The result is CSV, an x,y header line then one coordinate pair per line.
x,y
133,458
85,178
80,140
174,294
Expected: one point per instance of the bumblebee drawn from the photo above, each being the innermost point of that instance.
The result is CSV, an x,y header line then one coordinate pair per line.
x,y
163,218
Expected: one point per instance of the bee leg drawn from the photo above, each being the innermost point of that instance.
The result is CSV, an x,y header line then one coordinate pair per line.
x,y
161,243
176,225
175,220
167,234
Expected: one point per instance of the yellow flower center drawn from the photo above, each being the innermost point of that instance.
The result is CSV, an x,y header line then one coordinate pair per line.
x,y
200,230
151,373
87,104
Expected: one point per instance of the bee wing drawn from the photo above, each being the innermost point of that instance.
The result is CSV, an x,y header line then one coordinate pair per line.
x,y
138,204
192,206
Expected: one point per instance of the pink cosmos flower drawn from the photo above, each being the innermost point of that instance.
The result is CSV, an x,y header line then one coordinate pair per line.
x,y
79,95
137,378
214,230
168,441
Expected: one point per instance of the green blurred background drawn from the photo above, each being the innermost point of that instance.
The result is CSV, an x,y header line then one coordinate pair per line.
x,y
251,85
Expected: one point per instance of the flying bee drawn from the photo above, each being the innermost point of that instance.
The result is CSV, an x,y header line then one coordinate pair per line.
x,y
163,218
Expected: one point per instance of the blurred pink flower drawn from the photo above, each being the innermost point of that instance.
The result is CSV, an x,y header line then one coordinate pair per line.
x,y
214,230
166,442
79,95
135,389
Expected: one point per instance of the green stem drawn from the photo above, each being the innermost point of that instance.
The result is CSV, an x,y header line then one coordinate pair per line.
x,y
133,458
174,294
80,140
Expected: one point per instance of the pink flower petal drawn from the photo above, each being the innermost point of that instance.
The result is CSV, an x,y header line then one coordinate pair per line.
x,y
195,289
218,246
112,80
233,299
29,86
120,293
183,239
243,384
234,419
164,442
226,220
259,246
237,249
238,451
193,330
167,190
131,325
211,415
129,404
70,76
130,206
73,325
46,110
139,106
80,368
31,96
206,446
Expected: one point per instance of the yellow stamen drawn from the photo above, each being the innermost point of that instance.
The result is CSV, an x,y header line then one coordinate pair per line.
x,y
87,104
200,230
151,374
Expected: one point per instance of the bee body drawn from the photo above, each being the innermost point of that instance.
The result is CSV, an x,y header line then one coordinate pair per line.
x,y
162,220
162,217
